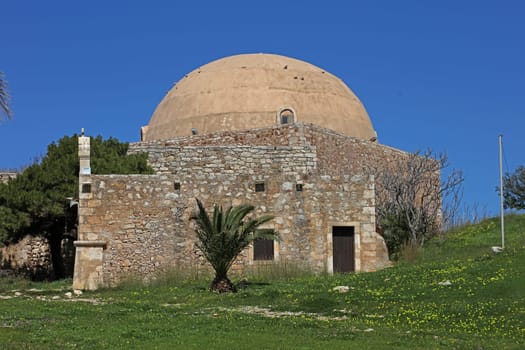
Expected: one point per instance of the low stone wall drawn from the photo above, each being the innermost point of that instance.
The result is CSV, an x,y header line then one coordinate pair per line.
x,y
31,257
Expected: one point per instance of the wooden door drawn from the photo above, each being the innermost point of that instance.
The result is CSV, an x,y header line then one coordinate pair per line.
x,y
343,249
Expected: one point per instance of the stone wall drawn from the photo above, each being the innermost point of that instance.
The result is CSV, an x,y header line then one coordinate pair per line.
x,y
338,154
145,221
6,176
183,160
277,135
328,152
31,257
333,153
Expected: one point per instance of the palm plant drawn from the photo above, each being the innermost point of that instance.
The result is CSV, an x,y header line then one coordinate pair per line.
x,y
4,98
225,235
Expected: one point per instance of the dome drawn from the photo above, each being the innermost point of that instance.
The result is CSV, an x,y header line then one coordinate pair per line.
x,y
257,90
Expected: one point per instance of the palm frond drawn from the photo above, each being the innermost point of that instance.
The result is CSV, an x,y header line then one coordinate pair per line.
x,y
224,236
4,97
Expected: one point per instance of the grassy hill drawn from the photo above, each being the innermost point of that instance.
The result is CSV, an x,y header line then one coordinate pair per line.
x,y
480,306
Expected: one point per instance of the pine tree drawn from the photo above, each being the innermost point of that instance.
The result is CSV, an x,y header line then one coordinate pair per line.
x,y
36,201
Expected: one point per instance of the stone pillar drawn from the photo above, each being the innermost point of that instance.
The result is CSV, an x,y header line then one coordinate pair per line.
x,y
89,250
88,264
374,253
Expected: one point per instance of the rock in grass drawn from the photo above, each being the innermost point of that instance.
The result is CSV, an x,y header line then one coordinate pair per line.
x,y
445,283
341,289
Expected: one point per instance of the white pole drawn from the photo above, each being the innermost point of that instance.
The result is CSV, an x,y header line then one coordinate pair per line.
x,y
500,139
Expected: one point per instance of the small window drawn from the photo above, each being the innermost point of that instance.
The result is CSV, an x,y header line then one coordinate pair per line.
x,y
263,249
86,188
259,187
299,187
176,186
286,115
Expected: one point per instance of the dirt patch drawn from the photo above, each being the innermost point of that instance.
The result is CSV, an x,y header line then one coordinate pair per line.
x,y
277,314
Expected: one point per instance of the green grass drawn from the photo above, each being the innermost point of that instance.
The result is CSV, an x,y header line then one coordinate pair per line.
x,y
402,307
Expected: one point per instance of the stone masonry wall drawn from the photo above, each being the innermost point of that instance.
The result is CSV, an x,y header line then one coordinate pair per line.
x,y
146,225
6,176
277,135
31,256
285,160
336,154
136,215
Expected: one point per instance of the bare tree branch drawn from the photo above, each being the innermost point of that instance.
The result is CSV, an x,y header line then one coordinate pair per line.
x,y
412,196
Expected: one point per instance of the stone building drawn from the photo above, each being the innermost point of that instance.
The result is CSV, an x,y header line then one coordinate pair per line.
x,y
275,132
5,176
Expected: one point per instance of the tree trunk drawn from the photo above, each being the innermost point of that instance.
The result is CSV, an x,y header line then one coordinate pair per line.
x,y
222,285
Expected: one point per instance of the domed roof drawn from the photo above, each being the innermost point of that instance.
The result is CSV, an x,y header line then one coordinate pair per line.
x,y
257,90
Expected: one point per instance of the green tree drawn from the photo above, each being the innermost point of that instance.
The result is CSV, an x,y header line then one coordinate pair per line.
x,y
36,201
4,98
514,189
225,235
395,231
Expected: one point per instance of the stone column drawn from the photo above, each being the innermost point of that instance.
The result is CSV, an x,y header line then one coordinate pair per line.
x,y
89,249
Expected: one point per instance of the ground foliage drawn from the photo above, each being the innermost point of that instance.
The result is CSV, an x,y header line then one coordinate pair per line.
x,y
403,307
36,201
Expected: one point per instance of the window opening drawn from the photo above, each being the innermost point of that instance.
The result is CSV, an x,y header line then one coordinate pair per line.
x,y
259,187
86,188
263,249
286,115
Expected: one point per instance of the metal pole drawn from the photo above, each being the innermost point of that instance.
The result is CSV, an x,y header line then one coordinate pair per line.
x,y
500,139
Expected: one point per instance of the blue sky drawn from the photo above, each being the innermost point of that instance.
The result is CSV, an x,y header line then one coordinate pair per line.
x,y
446,75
